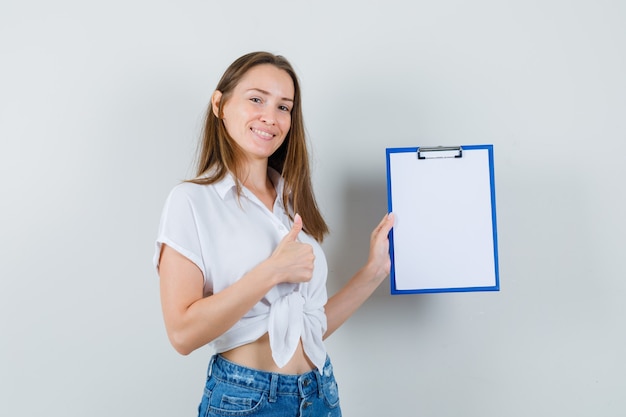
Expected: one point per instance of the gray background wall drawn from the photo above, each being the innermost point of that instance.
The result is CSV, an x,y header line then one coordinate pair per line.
x,y
100,107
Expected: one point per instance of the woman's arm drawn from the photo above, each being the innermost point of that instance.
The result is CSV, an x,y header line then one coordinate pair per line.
x,y
192,320
345,302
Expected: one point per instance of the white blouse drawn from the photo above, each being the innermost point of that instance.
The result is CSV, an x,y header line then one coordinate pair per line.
x,y
226,237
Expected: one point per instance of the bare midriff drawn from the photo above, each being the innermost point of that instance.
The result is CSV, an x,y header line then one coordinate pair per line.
x,y
258,355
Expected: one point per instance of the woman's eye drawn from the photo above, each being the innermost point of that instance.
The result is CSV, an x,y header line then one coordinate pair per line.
x,y
284,108
255,100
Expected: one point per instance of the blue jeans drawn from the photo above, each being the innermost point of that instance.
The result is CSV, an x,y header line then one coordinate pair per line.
x,y
234,390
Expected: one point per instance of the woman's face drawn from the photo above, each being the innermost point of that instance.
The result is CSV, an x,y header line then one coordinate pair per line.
x,y
257,114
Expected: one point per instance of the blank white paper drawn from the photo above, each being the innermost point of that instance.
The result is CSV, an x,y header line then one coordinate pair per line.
x,y
443,237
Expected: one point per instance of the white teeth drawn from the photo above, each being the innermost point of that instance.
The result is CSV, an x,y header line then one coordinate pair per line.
x,y
261,133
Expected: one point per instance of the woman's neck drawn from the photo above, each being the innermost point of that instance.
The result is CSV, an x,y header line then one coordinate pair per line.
x,y
256,179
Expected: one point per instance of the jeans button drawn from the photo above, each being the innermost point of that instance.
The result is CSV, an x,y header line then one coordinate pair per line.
x,y
306,382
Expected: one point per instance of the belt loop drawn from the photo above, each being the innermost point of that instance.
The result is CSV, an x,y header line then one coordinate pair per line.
x,y
273,387
210,370
318,376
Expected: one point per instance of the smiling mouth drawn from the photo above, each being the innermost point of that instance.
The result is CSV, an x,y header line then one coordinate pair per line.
x,y
262,133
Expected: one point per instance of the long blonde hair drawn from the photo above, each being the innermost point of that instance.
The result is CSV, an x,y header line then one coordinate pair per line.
x,y
219,154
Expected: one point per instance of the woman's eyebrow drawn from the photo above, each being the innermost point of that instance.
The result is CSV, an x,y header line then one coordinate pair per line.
x,y
267,93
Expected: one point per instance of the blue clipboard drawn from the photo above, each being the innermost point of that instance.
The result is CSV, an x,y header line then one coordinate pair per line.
x,y
444,238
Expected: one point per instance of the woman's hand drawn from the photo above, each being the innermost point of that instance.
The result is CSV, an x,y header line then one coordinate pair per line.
x,y
379,261
293,260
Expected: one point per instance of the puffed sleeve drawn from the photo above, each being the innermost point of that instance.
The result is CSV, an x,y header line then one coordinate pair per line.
x,y
178,227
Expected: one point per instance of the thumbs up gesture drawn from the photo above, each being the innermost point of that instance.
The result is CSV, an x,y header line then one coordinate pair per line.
x,y
293,260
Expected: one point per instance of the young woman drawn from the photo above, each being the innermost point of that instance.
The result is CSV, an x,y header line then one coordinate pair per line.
x,y
239,255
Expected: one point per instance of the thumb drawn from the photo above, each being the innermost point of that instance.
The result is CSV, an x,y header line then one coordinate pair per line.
x,y
295,229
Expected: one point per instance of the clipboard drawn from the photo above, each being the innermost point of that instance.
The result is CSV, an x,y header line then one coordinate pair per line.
x,y
444,238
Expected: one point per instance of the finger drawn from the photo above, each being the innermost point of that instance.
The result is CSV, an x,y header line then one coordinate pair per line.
x,y
295,229
385,224
390,220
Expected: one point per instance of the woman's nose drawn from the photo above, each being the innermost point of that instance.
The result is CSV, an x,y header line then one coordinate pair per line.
x,y
268,116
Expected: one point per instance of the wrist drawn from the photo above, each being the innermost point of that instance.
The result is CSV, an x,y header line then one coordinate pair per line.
x,y
269,274
375,272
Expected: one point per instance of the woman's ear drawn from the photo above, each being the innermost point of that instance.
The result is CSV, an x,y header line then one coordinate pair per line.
x,y
215,102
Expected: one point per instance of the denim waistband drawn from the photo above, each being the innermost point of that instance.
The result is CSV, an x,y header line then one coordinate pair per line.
x,y
273,383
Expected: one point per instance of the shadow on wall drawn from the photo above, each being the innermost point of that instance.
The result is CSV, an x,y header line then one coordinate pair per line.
x,y
364,203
